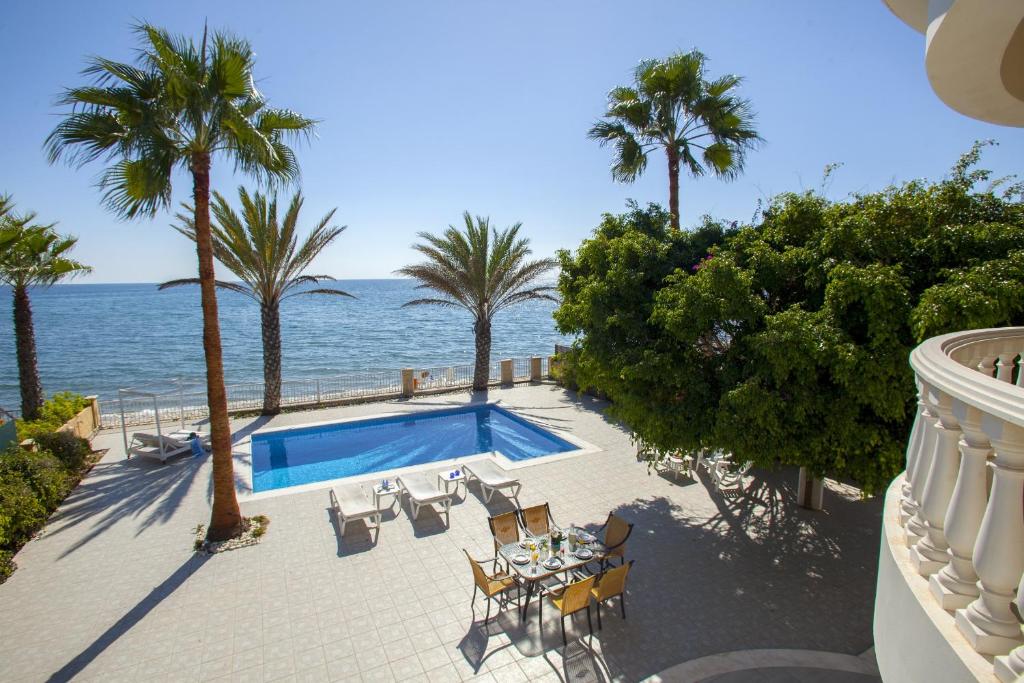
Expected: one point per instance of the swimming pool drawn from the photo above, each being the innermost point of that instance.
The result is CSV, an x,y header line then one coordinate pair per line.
x,y
304,455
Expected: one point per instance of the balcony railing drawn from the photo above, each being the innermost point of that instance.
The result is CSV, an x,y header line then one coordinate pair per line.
x,y
957,528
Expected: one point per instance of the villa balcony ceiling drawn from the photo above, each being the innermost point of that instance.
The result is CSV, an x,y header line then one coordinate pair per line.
x,y
974,54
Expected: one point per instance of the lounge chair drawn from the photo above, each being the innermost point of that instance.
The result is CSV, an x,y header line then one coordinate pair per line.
x,y
728,480
422,490
350,503
161,447
492,478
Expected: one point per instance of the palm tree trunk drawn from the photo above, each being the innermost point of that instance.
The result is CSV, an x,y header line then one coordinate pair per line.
x,y
28,366
673,186
482,370
225,518
270,313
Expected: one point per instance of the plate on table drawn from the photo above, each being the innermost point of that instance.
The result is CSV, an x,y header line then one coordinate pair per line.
x,y
523,544
552,563
585,537
584,553
520,559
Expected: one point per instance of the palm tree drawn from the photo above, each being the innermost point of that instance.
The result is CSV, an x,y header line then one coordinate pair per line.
x,y
31,255
481,270
177,107
266,256
701,124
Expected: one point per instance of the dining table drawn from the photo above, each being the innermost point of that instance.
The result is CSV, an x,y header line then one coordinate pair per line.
x,y
533,575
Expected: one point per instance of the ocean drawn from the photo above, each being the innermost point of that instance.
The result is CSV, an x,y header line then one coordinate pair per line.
x,y
95,339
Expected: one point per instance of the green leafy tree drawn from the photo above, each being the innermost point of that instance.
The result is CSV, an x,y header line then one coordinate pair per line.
x,y
702,125
482,270
790,343
31,255
179,106
265,254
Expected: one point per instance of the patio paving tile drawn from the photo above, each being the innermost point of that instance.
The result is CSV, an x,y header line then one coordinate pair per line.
x,y
306,604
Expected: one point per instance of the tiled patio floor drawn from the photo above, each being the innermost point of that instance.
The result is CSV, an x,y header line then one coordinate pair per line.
x,y
112,591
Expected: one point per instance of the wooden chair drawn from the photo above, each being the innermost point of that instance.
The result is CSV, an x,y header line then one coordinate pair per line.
x,y
569,600
536,520
493,586
610,584
616,532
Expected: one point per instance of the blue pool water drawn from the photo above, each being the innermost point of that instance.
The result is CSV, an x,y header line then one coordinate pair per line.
x,y
310,454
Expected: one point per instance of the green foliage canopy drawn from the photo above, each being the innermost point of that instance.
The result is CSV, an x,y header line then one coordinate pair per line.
x,y
786,341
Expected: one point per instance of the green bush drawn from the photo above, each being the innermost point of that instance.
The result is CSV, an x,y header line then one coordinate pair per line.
x,y
43,472
21,511
7,565
72,451
55,412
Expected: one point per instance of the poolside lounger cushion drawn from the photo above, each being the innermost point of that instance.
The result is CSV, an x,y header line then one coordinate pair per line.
x,y
422,490
492,478
350,503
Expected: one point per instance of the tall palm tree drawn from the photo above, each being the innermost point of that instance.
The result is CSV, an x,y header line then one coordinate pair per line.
x,y
177,107
482,270
701,124
266,256
32,255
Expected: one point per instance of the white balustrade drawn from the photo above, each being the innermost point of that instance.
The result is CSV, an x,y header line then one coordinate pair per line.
x,y
908,506
987,622
962,500
955,586
915,526
929,554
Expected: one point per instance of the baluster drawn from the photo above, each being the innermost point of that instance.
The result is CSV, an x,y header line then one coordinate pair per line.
x,y
930,554
1011,667
987,623
1004,366
987,366
914,527
908,506
955,586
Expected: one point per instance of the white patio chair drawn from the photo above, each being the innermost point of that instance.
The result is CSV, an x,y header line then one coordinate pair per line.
x,y
728,480
708,462
350,503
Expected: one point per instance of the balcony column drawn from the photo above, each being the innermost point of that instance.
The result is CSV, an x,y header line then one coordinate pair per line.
x,y
987,623
955,586
930,554
908,506
915,525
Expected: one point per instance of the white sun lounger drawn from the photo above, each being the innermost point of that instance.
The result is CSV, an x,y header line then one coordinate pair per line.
x,y
350,503
491,478
159,447
422,490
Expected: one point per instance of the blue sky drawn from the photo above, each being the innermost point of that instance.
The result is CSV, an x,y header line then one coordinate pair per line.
x,y
429,109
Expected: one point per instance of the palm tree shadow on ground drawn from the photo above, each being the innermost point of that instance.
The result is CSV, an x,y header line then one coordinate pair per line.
x,y
123,625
